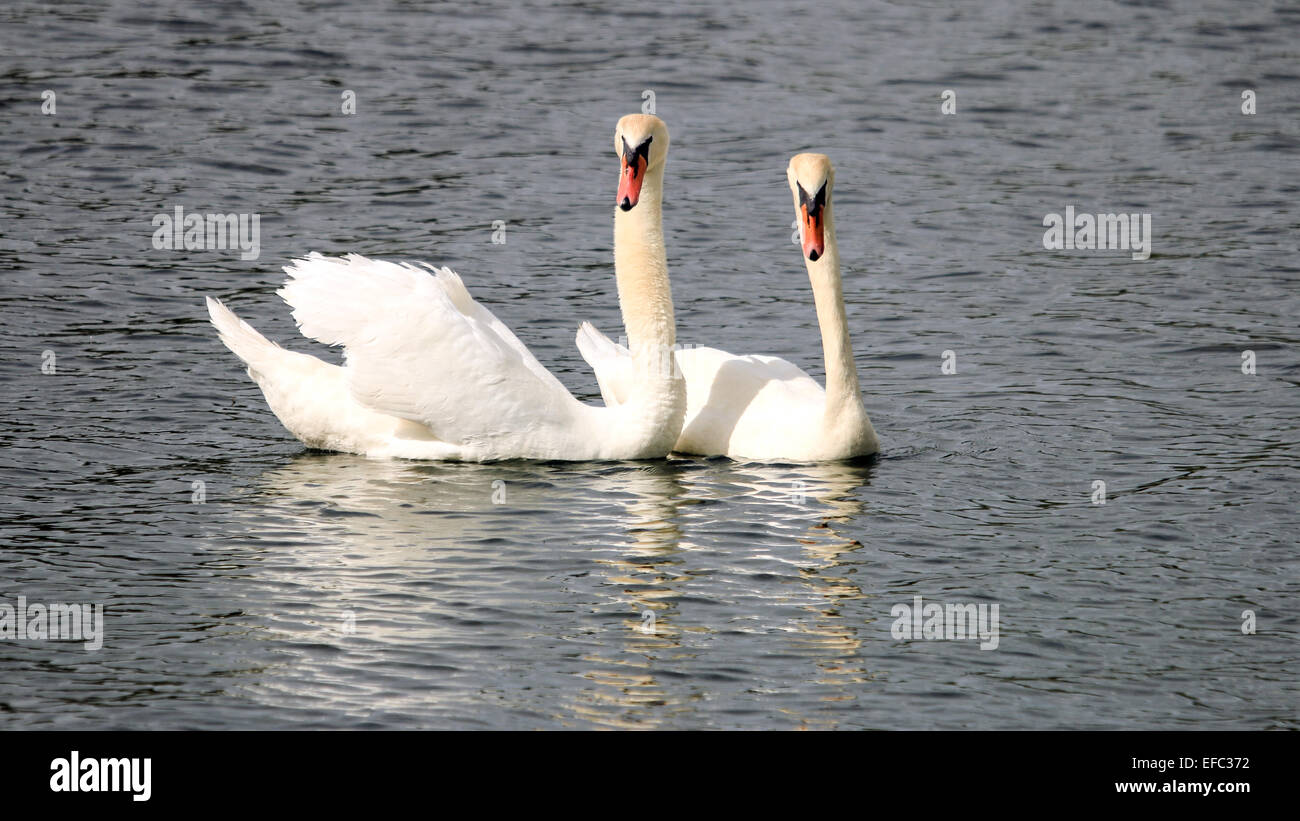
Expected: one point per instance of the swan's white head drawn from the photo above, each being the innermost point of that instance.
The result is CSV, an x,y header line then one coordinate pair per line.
x,y
641,142
811,178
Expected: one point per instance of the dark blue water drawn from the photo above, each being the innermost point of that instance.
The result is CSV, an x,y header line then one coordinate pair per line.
x,y
326,590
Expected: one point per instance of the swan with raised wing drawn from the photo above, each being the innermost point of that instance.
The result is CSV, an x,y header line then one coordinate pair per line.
x,y
430,373
762,407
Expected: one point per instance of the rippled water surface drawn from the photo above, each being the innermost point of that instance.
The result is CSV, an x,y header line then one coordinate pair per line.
x,y
326,590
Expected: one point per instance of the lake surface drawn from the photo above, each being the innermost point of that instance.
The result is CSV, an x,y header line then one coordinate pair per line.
x,y
296,589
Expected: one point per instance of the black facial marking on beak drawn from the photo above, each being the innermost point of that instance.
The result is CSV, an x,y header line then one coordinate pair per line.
x,y
813,205
630,154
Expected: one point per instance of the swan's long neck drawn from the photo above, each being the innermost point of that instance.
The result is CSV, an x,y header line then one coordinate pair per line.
x,y
641,268
655,409
843,397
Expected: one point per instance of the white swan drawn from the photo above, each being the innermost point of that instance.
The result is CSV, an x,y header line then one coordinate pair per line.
x,y
432,374
762,407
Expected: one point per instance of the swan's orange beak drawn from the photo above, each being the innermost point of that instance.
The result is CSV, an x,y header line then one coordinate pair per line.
x,y
631,174
814,239
814,229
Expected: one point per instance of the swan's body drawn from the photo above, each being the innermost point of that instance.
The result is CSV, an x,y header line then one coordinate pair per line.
x,y
764,407
432,374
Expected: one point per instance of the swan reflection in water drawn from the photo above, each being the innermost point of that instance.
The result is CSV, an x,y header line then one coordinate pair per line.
x,y
792,513
602,555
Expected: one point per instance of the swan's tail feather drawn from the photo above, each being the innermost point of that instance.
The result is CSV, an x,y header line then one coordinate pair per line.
x,y
242,339
594,345
611,362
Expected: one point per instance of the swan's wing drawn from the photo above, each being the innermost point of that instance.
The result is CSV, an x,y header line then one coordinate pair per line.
x,y
743,404
465,303
420,348
611,362
756,366
711,375
717,381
